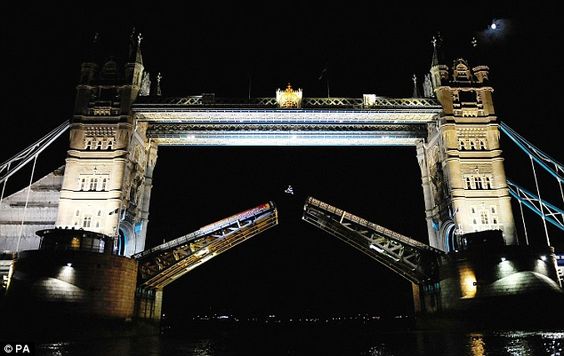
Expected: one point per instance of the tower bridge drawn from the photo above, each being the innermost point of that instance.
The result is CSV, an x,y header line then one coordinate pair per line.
x,y
118,126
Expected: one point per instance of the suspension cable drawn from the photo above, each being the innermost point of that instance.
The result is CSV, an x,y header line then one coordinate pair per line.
x,y
4,185
26,202
524,225
540,201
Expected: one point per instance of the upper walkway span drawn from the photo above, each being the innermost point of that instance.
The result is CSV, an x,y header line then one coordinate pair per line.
x,y
209,121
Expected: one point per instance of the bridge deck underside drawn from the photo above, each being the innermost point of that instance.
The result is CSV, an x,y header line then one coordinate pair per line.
x,y
162,267
409,258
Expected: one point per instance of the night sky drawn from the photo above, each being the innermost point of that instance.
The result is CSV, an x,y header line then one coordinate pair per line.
x,y
209,47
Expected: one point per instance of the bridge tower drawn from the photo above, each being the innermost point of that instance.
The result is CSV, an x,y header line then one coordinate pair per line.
x,y
109,166
463,176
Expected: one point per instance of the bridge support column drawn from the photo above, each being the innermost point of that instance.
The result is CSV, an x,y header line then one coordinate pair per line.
x,y
148,304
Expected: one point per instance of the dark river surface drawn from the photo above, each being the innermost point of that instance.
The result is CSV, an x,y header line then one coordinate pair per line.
x,y
316,339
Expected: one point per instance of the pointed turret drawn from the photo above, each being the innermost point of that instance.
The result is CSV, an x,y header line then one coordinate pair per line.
x,y
439,71
159,77
480,71
89,67
134,67
435,58
416,93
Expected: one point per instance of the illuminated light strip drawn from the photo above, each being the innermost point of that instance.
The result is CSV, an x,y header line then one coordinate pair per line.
x,y
379,249
206,230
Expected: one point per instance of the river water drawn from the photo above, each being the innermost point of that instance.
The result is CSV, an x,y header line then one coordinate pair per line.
x,y
316,340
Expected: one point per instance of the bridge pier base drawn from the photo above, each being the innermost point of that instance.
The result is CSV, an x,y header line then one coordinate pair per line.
x,y
513,286
148,304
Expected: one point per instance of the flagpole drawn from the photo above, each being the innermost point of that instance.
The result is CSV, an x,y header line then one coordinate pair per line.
x,y
327,78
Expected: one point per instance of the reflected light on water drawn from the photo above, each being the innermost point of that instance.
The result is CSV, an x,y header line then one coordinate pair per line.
x,y
477,345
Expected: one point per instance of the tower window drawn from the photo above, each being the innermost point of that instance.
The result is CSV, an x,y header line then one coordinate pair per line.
x,y
488,183
93,184
493,209
468,183
82,183
478,182
99,212
104,181
87,221
77,212
484,218
461,145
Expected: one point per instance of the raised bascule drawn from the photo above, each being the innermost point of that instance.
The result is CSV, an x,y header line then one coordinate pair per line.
x,y
99,201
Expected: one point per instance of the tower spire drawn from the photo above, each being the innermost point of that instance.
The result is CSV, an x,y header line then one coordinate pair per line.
x,y
159,77
135,47
436,41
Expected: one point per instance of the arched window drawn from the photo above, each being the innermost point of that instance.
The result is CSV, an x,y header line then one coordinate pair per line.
x,y
482,144
82,183
104,181
478,182
461,145
468,183
472,145
93,183
87,221
488,183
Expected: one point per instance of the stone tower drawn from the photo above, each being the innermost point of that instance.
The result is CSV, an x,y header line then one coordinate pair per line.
x,y
463,176
109,167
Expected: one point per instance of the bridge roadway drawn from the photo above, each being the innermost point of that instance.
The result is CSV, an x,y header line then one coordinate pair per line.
x,y
210,121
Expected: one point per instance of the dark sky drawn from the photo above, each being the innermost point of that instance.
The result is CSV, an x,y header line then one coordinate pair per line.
x,y
209,47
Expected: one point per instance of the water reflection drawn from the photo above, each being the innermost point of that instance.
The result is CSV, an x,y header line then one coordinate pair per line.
x,y
314,341
477,345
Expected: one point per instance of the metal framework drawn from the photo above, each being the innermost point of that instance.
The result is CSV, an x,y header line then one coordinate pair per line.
x,y
270,126
14,164
161,265
549,212
209,100
411,259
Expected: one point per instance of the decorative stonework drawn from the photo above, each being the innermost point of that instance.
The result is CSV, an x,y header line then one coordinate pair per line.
x,y
289,98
